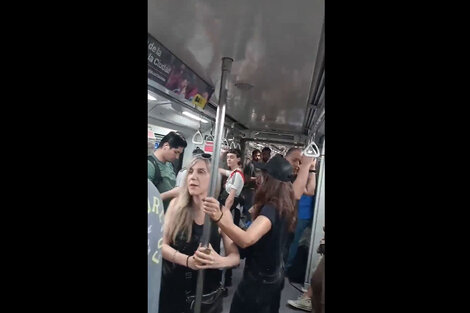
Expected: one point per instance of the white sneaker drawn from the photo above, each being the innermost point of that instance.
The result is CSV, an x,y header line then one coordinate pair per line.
x,y
303,302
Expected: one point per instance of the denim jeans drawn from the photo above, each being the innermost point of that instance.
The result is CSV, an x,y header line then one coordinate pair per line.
x,y
299,229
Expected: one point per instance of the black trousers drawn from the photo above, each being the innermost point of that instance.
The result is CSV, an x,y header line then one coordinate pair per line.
x,y
257,295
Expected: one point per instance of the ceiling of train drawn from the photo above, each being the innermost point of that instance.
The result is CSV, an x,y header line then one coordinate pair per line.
x,y
273,43
170,112
275,148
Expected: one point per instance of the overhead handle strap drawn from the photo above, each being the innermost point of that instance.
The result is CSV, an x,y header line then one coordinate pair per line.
x,y
312,150
197,138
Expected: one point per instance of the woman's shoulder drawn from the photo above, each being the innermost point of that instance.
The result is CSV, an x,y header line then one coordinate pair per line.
x,y
270,211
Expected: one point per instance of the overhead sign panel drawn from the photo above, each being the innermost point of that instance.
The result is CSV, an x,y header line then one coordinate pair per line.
x,y
167,70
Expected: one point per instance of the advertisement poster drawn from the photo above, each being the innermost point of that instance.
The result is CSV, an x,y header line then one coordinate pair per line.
x,y
170,72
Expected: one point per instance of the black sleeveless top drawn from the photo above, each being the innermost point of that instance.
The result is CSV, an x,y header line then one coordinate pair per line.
x,y
265,256
180,281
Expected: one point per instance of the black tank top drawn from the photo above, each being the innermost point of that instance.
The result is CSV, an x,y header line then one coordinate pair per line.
x,y
180,281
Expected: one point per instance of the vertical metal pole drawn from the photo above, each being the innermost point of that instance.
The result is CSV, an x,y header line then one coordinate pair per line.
x,y
219,127
314,221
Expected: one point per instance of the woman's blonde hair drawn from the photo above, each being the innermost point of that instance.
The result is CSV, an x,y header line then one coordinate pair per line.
x,y
183,217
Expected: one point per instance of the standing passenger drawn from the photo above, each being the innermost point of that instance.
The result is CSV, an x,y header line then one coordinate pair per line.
x,y
250,181
182,255
304,183
230,196
265,154
160,170
273,217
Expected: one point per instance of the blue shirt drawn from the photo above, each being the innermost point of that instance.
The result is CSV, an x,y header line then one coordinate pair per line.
x,y
305,207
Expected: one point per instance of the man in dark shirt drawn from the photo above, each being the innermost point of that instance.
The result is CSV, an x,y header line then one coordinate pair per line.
x,y
265,154
249,188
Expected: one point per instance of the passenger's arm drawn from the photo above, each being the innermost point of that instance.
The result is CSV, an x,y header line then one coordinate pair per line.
x,y
301,180
230,198
215,260
223,172
170,194
231,251
260,226
312,181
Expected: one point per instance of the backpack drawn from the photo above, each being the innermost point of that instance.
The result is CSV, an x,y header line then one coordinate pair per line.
x,y
224,194
240,172
157,178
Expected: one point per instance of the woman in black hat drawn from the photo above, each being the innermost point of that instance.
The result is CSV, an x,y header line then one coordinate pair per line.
x,y
273,217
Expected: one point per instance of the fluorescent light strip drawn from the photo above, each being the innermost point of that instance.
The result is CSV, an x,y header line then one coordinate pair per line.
x,y
194,117
150,97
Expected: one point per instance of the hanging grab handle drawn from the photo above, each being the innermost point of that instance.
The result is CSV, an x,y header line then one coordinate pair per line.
x,y
312,150
197,138
207,138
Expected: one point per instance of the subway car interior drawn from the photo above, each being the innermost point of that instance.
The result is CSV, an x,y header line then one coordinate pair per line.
x,y
270,90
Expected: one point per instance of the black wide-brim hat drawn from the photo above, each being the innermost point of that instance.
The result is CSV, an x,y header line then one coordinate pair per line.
x,y
277,167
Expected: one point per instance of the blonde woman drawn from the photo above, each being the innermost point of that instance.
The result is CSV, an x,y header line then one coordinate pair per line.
x,y
182,256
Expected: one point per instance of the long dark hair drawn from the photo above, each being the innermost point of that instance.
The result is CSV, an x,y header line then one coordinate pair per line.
x,y
278,194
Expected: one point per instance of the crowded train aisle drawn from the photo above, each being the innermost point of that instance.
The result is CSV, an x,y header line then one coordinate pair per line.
x,y
236,137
